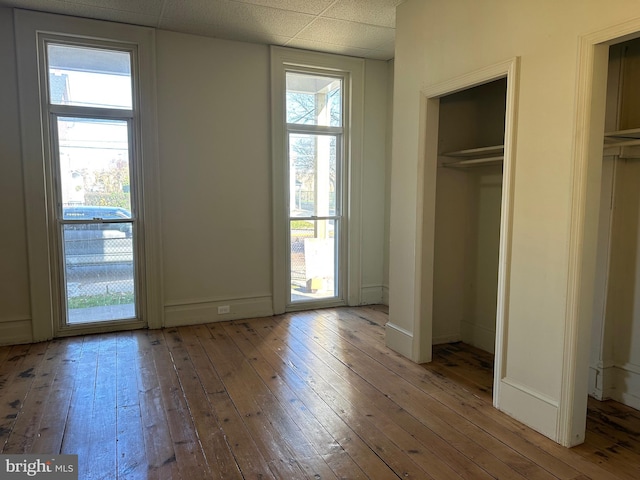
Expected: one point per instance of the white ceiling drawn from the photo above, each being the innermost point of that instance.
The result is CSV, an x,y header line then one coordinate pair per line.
x,y
361,28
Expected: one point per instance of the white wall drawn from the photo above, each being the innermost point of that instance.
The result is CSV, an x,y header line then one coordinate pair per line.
x,y
374,178
215,172
387,183
441,40
467,235
214,144
15,311
213,101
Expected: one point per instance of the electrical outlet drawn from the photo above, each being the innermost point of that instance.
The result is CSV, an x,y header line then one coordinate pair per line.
x,y
223,309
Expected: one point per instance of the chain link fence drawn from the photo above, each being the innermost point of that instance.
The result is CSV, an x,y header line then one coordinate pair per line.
x,y
99,270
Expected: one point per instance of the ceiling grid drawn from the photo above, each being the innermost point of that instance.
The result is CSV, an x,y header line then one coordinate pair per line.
x,y
361,28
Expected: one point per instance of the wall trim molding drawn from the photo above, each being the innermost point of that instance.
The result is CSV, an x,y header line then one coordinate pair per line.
x,y
371,294
398,338
627,375
206,310
531,392
628,367
16,330
533,408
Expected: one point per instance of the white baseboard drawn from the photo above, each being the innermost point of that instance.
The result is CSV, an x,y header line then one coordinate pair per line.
x,y
14,331
448,338
530,407
617,382
399,339
602,379
595,383
178,315
371,295
626,385
385,295
481,337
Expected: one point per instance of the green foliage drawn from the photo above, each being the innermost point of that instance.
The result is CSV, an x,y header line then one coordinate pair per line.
x,y
103,300
110,187
301,225
112,199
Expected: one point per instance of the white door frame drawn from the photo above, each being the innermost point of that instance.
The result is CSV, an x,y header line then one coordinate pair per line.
x,y
427,170
586,177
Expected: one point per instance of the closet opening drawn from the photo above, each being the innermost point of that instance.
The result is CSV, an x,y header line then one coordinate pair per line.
x,y
614,364
467,230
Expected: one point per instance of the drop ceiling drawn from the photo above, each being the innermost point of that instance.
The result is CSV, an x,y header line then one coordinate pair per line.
x,y
361,28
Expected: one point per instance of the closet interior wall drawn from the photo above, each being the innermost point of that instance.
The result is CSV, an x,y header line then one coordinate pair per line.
x,y
467,222
615,348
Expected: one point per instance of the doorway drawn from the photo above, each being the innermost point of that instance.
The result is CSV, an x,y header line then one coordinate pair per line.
x,y
469,145
615,346
468,212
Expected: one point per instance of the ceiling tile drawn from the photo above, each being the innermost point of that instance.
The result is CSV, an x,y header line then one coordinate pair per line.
x,y
86,11
388,46
226,16
110,15
207,30
53,6
327,47
303,6
146,7
361,28
372,12
381,54
339,32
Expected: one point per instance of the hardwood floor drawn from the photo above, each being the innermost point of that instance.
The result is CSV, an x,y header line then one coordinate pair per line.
x,y
310,395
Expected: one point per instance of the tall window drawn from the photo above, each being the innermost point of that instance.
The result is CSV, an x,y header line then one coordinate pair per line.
x,y
91,111
315,138
88,124
317,112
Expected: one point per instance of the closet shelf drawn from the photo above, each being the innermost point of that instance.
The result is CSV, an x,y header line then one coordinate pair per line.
x,y
475,157
474,162
622,138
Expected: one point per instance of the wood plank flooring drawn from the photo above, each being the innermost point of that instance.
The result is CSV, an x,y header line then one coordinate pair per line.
x,y
310,395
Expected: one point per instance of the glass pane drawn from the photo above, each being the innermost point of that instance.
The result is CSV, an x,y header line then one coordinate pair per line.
x,y
313,259
89,77
99,272
314,100
312,175
94,168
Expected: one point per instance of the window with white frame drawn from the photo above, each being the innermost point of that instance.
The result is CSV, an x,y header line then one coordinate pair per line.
x,y
316,110
89,151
